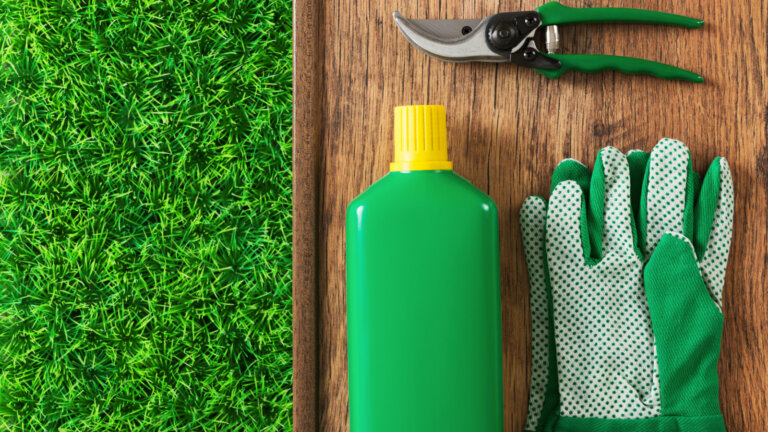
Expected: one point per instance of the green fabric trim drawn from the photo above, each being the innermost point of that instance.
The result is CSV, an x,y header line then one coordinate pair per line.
x,y
655,424
642,220
705,208
687,325
638,161
691,190
573,170
596,208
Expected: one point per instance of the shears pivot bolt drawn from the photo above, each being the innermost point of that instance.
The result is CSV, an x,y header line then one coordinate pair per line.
x,y
503,35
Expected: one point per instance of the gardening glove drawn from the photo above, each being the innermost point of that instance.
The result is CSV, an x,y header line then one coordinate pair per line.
x,y
626,361
543,396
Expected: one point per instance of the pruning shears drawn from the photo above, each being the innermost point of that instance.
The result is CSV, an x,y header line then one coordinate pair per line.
x,y
511,38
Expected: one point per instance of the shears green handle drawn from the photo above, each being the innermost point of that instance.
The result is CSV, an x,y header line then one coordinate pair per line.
x,y
590,63
553,13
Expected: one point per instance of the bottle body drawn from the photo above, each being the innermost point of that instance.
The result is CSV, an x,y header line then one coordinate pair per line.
x,y
423,306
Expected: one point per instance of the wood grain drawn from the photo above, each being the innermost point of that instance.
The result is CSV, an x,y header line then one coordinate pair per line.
x,y
307,138
508,127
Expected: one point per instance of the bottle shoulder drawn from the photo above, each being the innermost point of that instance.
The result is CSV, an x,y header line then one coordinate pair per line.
x,y
443,189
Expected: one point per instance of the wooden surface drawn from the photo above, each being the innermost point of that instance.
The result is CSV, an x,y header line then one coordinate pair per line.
x,y
308,134
508,127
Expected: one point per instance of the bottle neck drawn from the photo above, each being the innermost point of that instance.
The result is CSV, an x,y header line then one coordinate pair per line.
x,y
409,166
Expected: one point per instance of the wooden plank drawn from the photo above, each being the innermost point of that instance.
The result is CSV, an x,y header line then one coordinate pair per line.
x,y
307,148
508,127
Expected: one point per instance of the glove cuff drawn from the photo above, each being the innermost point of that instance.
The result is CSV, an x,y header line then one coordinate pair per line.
x,y
655,424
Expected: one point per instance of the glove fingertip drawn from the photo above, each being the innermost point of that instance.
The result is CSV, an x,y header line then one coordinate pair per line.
x,y
534,202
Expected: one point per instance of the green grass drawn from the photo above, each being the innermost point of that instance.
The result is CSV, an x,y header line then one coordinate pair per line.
x,y
145,261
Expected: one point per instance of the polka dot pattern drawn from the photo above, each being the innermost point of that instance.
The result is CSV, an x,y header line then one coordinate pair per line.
x,y
603,338
667,180
617,232
533,216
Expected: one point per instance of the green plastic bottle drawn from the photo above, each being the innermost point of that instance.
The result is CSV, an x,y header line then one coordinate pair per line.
x,y
423,292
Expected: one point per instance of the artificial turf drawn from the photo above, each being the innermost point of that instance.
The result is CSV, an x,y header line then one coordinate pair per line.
x,y
145,262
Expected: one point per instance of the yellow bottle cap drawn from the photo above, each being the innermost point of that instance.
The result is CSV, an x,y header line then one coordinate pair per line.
x,y
420,139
